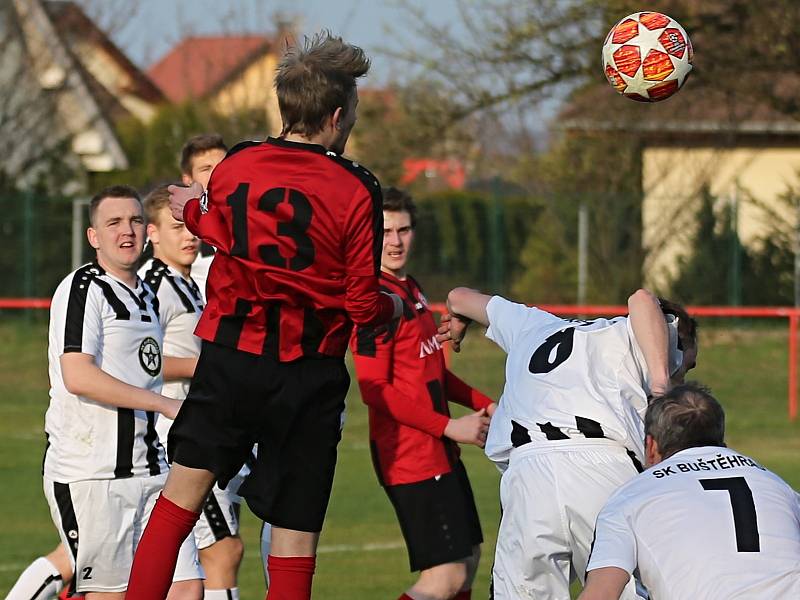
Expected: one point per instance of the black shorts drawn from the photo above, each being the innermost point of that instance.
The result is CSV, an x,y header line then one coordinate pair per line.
x,y
292,410
438,518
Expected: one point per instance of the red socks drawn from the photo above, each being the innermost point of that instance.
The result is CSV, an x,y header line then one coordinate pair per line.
x,y
405,597
157,552
290,577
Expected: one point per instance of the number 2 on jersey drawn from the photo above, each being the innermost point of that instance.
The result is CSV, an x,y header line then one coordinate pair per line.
x,y
294,229
745,521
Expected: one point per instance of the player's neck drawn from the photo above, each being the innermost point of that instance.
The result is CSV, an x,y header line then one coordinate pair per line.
x,y
318,139
184,270
400,274
126,276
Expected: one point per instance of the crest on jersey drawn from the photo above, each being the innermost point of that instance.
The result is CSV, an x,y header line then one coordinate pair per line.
x,y
204,202
150,356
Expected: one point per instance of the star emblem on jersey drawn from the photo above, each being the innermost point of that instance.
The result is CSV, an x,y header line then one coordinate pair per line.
x,y
204,202
150,356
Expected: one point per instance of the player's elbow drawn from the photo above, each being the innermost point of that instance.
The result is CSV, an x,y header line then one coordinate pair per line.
x,y
641,297
73,382
457,300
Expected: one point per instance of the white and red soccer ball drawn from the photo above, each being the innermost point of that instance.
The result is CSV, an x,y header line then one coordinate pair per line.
x,y
647,56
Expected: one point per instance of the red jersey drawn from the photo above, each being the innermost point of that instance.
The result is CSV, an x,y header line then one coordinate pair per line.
x,y
404,381
298,232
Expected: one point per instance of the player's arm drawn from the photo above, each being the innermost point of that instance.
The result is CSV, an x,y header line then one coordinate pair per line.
x,y
650,330
364,302
208,223
460,392
605,583
374,370
179,368
464,302
83,377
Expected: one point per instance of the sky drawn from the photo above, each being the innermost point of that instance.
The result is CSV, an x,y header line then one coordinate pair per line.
x,y
147,29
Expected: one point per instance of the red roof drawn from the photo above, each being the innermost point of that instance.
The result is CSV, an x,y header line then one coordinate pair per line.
x,y
199,65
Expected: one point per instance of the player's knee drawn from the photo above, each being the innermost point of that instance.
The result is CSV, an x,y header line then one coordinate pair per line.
x,y
442,582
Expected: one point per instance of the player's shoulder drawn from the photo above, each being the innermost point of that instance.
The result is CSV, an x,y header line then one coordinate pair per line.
x,y
359,171
237,148
153,273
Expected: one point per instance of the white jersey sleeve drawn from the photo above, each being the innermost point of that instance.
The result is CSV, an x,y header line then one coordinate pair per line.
x,y
614,542
508,319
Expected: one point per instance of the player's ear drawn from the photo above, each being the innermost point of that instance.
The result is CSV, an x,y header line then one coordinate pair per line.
x,y
652,454
91,235
186,179
336,118
152,232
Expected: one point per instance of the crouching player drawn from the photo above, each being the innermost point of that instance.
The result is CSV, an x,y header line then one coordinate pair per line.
x,y
404,381
104,466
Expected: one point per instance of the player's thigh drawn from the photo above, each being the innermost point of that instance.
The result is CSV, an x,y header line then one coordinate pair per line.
x,y
532,555
291,479
214,428
438,520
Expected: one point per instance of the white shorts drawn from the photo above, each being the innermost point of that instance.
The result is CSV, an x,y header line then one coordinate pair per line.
x,y
219,518
100,522
550,496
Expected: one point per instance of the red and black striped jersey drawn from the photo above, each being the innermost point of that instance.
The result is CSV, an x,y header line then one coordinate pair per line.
x,y
298,232
404,381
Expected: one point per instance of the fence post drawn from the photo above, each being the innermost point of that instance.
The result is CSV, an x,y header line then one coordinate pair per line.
x,y
793,318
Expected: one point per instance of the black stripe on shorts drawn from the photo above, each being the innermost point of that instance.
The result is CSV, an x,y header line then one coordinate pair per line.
x,y
69,523
216,520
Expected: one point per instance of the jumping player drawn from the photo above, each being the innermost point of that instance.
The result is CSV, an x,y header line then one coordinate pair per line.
x,y
569,428
104,465
297,230
405,383
169,275
703,521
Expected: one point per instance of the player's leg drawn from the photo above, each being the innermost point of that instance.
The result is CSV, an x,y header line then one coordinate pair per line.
x,y
291,480
532,556
442,532
171,521
44,577
219,546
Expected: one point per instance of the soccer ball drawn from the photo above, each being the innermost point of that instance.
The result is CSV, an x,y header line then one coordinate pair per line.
x,y
647,56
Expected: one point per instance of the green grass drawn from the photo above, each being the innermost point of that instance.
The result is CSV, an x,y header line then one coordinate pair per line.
x,y
746,368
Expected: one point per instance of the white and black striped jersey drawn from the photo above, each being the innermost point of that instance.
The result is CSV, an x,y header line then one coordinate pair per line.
x,y
705,523
180,305
568,379
94,313
201,267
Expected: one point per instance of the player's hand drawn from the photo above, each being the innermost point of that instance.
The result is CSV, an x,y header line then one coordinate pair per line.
x,y
179,196
470,429
170,407
452,328
491,408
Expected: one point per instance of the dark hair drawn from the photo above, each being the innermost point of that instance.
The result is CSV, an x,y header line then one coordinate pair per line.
x,y
396,200
313,81
198,145
112,191
687,416
687,326
157,199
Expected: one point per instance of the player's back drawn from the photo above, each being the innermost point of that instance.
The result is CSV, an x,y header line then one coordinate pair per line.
x,y
565,379
710,523
291,222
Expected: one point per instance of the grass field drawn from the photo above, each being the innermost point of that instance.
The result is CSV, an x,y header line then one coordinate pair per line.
x,y
361,553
